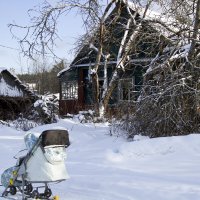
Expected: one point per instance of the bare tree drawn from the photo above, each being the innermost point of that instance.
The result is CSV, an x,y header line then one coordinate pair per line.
x,y
40,36
169,101
173,35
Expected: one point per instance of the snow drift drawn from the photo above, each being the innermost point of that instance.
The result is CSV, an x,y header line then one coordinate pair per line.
x,y
102,167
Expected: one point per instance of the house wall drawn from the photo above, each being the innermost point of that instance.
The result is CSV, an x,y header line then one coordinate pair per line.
x,y
85,101
70,105
145,47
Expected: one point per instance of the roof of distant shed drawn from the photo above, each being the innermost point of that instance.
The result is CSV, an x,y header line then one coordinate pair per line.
x,y
18,82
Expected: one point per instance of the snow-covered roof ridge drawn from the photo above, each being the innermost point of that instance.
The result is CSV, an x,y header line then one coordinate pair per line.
x,y
153,10
156,14
64,70
17,80
2,69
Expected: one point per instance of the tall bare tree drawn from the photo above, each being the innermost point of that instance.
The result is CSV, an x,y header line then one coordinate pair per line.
x,y
169,101
172,26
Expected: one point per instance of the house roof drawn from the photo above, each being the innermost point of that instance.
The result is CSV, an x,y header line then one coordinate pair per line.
x,y
136,60
87,55
7,90
62,71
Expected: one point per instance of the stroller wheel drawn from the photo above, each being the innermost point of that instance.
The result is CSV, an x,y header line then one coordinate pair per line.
x,y
29,188
47,192
35,194
13,190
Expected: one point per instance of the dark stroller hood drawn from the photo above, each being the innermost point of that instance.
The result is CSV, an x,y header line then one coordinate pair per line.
x,y
55,137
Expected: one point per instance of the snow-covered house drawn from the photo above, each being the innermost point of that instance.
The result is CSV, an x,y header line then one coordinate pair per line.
x,y
15,97
75,82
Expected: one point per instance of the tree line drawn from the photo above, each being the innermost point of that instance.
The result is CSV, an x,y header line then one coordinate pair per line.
x,y
43,80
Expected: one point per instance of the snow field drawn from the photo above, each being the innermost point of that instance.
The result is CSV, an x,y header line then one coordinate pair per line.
x,y
102,167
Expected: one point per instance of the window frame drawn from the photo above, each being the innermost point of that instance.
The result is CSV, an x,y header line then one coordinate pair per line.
x,y
131,89
69,90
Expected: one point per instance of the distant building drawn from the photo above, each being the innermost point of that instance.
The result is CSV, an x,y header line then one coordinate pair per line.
x,y
32,87
15,97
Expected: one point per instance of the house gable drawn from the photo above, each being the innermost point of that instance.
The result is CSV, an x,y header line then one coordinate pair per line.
x,y
144,48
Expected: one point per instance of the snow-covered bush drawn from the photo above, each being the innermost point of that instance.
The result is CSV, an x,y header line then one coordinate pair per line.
x,y
85,116
121,122
169,101
45,109
22,123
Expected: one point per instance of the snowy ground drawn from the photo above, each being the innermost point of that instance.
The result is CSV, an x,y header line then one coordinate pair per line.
x,y
109,168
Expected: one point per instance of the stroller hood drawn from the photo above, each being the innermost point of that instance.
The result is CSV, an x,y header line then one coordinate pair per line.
x,y
55,137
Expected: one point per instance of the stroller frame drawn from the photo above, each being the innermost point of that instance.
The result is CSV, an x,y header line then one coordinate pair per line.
x,y
19,181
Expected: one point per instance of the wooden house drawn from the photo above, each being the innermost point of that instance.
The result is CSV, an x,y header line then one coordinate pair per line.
x,y
75,82
15,97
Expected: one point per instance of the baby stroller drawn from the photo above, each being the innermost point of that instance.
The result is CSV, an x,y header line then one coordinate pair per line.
x,y
43,164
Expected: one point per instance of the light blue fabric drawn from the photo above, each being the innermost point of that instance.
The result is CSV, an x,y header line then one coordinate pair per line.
x,y
30,140
7,175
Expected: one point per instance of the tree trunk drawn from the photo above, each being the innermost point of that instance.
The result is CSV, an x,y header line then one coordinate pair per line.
x,y
195,31
95,79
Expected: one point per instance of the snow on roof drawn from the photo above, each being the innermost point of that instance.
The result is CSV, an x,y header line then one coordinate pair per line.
x,y
135,60
7,90
155,12
64,70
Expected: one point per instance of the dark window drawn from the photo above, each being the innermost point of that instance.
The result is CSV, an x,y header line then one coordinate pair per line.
x,y
126,89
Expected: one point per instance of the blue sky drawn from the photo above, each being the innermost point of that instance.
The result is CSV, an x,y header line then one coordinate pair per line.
x,y
16,11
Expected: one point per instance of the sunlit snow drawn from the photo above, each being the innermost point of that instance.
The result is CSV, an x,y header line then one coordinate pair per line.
x,y
102,167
